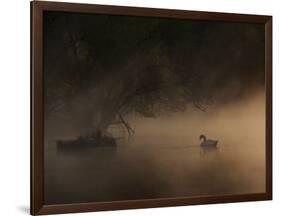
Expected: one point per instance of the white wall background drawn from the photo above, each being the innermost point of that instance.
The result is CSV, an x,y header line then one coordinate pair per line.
x,y
14,109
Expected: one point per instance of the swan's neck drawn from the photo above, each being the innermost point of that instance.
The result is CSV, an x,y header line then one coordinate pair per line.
x,y
203,138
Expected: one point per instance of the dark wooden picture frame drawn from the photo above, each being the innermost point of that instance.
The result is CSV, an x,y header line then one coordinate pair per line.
x,y
37,107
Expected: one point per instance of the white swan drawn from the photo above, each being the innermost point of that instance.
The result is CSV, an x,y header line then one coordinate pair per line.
x,y
207,143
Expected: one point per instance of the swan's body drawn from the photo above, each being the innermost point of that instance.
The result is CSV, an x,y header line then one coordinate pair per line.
x,y
207,143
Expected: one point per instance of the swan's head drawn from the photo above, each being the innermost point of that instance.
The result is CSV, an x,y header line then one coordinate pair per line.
x,y
202,136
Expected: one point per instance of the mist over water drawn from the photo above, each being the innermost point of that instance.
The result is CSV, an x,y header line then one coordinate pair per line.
x,y
139,67
164,158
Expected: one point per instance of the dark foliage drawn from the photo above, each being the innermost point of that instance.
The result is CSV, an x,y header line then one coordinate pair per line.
x,y
99,68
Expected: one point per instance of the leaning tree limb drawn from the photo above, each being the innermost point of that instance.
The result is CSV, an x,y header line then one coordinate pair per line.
x,y
127,126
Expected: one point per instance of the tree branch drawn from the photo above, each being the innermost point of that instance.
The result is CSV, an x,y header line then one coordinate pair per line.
x,y
127,126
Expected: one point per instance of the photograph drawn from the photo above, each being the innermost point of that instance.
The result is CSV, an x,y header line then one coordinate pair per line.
x,y
146,107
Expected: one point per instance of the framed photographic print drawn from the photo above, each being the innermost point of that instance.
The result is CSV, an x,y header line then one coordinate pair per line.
x,y
141,107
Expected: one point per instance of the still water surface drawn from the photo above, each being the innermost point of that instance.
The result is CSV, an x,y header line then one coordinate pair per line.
x,y
146,171
163,159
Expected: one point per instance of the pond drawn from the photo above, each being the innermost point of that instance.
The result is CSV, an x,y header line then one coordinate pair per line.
x,y
164,159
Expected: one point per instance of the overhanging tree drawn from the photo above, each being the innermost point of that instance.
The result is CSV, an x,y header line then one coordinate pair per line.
x,y
98,71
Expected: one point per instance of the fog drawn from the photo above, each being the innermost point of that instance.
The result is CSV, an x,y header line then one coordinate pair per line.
x,y
147,75
164,159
